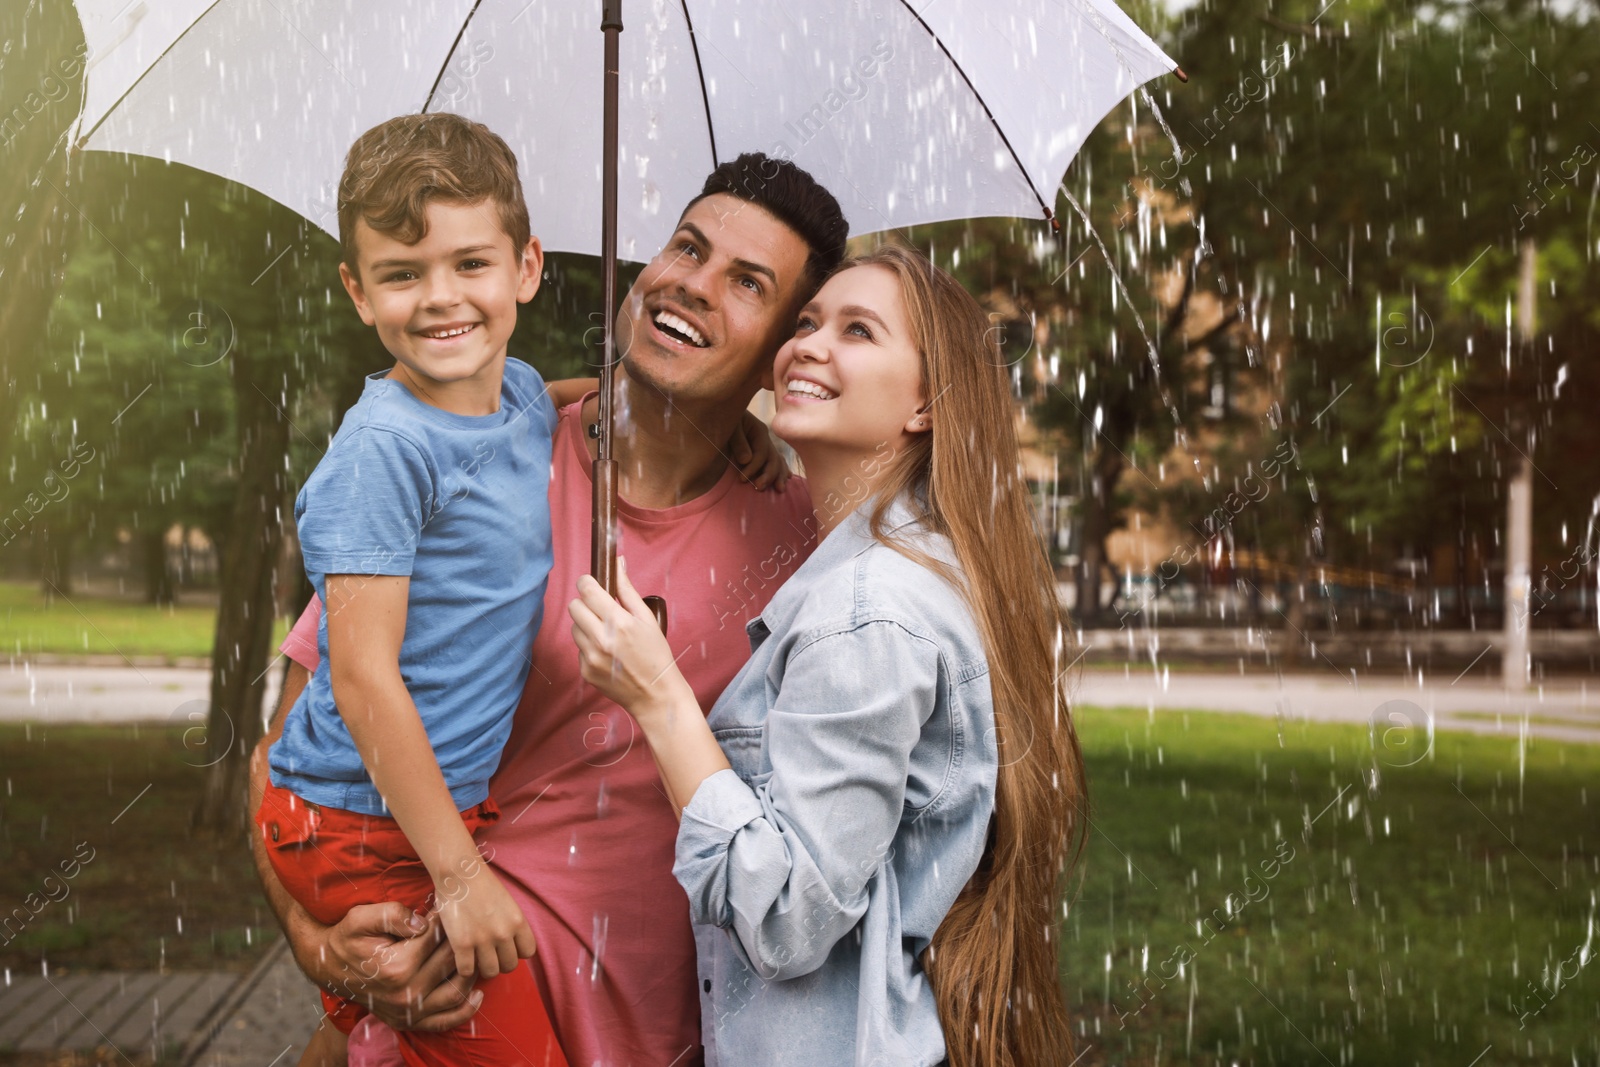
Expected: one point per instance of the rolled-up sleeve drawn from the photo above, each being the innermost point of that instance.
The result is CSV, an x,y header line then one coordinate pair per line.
x,y
788,863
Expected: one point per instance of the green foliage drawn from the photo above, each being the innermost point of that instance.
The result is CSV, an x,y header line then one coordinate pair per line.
x,y
1352,184
41,72
1328,213
117,384
1386,170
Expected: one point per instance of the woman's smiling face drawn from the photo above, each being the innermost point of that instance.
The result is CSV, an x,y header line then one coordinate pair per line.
x,y
850,380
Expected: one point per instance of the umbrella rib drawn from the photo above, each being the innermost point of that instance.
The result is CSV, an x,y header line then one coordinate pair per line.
x,y
711,130
1048,214
448,56
85,138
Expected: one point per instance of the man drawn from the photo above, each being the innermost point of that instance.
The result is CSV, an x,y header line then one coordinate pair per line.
x,y
586,842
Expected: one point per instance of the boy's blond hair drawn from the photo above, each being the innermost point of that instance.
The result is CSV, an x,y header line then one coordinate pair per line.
x,y
396,168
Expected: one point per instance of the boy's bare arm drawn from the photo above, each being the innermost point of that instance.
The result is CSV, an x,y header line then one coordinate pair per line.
x,y
372,954
366,626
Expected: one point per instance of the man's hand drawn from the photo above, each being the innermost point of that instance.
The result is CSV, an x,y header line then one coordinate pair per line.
x,y
393,963
486,930
757,455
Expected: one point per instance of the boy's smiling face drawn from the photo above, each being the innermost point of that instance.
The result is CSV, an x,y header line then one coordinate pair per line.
x,y
445,306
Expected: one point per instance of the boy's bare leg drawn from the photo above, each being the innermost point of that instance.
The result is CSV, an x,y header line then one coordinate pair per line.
x,y
327,1048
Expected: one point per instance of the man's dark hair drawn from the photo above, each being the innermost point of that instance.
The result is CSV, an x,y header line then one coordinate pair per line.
x,y
794,198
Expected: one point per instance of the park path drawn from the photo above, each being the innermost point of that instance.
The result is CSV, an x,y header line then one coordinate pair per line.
x,y
205,1019
1563,710
266,1022
106,693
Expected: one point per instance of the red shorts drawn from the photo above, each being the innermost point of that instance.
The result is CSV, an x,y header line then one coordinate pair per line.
x,y
331,860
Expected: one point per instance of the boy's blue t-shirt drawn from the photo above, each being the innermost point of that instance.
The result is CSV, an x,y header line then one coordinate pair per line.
x,y
460,504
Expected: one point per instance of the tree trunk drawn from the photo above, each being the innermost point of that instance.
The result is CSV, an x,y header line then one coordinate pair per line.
x,y
1295,642
158,584
35,183
1464,612
244,616
1098,515
53,554
1254,599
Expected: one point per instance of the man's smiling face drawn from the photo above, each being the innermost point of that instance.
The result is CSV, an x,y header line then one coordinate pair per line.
x,y
706,316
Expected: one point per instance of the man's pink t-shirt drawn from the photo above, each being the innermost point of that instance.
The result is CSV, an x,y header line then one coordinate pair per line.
x,y
586,837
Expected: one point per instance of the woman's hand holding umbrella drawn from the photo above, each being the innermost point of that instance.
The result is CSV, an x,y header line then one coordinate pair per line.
x,y
624,654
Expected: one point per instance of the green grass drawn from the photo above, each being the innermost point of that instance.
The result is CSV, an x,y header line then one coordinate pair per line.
x,y
84,625
1404,929
1537,720
94,825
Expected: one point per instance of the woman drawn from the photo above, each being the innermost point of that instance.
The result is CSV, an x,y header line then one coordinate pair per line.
x,y
877,813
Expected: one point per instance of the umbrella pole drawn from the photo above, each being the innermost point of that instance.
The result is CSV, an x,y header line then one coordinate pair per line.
x,y
603,540
603,537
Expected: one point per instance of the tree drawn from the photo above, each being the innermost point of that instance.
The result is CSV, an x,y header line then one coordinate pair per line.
x,y
1320,231
1433,120
120,381
41,90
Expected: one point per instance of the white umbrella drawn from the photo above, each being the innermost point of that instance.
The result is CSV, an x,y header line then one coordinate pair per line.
x,y
962,109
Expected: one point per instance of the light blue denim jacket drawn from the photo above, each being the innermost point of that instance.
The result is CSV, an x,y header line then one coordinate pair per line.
x,y
862,743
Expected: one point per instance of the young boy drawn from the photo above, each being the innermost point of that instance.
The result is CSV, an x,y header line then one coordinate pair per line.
x,y
426,531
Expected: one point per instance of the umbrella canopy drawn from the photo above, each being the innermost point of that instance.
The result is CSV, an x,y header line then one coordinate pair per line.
x,y
966,108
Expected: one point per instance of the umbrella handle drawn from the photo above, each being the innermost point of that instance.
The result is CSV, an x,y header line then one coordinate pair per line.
x,y
603,538
658,608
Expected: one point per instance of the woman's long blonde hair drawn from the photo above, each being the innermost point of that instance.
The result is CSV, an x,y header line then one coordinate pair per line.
x,y
993,961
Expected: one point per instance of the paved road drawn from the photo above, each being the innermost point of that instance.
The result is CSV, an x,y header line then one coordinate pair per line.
x,y
1568,710
104,694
